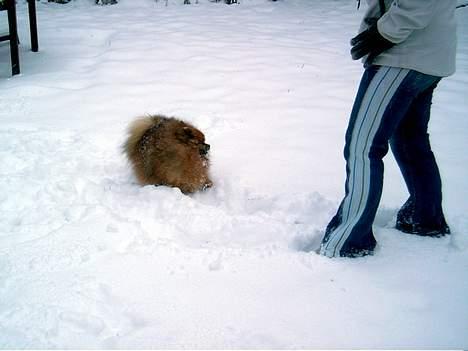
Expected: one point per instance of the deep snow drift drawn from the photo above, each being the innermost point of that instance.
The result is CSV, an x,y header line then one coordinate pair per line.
x,y
88,259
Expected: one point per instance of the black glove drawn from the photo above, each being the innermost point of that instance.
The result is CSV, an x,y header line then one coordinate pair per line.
x,y
370,43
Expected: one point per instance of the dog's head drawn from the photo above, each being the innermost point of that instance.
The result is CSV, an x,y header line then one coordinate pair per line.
x,y
194,139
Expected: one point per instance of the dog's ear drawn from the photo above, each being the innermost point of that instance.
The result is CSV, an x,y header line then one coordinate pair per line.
x,y
185,134
188,133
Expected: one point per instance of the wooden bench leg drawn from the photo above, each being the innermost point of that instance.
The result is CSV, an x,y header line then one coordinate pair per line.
x,y
15,66
33,25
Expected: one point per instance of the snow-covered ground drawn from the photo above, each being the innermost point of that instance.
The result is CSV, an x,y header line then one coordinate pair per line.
x,y
89,259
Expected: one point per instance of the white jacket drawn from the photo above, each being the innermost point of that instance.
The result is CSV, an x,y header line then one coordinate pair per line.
x,y
424,31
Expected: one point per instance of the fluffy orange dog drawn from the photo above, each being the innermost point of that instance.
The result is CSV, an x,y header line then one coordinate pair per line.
x,y
167,151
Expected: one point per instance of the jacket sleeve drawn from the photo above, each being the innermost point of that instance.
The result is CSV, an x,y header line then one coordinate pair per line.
x,y
405,16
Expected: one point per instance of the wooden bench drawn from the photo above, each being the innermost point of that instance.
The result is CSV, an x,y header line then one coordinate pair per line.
x,y
12,36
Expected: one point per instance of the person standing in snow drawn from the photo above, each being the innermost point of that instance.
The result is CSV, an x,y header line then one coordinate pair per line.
x,y
407,47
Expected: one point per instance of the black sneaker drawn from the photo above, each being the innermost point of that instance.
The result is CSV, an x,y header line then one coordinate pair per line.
x,y
406,224
406,212
423,230
357,253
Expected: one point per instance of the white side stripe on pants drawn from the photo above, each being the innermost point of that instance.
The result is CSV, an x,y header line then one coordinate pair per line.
x,y
374,104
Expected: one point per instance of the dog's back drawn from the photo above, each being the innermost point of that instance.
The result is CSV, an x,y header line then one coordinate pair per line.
x,y
140,131
136,130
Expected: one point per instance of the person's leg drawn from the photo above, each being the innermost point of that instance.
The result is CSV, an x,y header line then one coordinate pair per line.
x,y
422,213
366,80
384,97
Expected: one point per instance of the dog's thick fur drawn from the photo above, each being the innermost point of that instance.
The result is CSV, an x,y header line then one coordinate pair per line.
x,y
167,151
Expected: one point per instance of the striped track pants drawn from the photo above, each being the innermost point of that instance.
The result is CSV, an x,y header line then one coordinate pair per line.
x,y
385,97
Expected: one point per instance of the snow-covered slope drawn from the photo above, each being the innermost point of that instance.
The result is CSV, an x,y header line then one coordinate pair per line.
x,y
89,259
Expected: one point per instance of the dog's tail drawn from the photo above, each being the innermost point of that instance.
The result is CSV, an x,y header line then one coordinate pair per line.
x,y
136,130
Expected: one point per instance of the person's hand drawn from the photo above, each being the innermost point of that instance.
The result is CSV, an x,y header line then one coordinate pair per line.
x,y
370,43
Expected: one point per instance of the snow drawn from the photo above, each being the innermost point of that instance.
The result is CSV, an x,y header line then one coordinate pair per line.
x,y
89,259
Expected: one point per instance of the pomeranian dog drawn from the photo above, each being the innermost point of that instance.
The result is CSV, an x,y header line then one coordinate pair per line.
x,y
167,151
